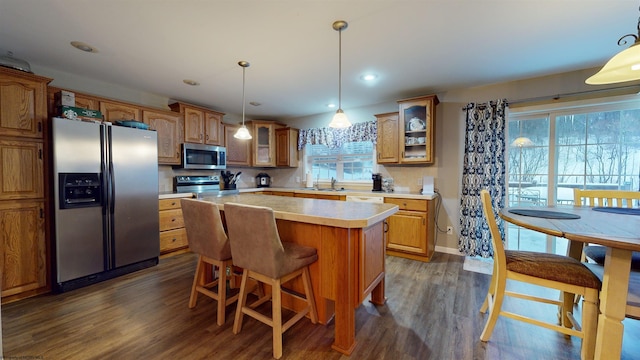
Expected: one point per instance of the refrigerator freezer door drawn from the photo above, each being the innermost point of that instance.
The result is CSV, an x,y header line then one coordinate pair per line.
x,y
134,154
79,239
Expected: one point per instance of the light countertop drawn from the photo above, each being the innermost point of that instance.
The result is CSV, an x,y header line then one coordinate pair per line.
x,y
394,194
341,214
402,195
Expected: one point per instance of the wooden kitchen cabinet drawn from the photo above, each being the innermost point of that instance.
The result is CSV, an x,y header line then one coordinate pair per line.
x,y
113,111
168,125
173,235
21,170
416,124
24,256
23,104
321,196
287,147
387,142
263,143
24,253
201,125
238,151
410,231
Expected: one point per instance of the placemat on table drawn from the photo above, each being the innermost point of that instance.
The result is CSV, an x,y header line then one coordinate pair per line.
x,y
616,210
547,214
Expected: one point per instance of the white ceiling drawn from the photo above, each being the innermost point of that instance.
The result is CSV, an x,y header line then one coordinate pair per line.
x,y
415,47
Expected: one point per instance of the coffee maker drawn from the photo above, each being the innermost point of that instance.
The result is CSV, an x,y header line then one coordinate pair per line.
x,y
377,182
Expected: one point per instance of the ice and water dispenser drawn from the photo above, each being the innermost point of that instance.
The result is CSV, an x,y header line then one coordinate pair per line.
x,y
80,190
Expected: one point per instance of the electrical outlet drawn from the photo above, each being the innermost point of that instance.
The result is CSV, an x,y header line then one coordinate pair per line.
x,y
449,230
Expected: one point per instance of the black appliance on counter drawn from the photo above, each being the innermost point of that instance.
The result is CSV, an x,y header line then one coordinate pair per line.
x,y
263,180
377,182
201,185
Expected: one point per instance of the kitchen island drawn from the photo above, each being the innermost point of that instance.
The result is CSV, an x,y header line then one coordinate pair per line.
x,y
349,238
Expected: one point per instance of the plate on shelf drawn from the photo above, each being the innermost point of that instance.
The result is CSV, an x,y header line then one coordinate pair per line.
x,y
416,124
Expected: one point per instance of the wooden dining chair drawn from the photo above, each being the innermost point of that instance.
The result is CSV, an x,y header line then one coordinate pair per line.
x,y
597,253
207,238
553,271
256,248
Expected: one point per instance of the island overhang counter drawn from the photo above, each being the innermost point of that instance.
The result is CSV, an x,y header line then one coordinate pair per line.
x,y
349,238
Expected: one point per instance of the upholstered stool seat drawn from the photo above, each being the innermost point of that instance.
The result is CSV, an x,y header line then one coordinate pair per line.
x,y
207,238
258,250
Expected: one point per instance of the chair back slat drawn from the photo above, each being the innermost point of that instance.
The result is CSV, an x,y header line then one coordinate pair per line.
x,y
606,198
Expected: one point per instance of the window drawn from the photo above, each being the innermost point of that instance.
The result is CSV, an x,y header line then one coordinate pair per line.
x,y
589,145
353,161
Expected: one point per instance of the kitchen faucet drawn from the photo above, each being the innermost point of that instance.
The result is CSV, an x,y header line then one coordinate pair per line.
x,y
333,183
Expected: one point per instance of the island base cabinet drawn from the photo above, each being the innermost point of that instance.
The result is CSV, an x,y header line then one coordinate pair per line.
x,y
350,267
24,252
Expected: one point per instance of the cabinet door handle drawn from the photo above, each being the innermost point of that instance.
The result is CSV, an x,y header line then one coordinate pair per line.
x,y
385,226
207,137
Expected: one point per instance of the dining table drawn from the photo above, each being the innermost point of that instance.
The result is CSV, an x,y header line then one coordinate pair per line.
x,y
618,232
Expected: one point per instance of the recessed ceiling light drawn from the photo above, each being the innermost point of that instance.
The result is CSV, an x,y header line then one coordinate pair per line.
x,y
191,82
369,77
84,47
254,103
331,106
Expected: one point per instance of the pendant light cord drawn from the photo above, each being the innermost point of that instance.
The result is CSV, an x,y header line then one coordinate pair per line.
x,y
243,71
340,69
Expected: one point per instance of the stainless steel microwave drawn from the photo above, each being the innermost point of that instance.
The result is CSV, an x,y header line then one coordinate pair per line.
x,y
207,157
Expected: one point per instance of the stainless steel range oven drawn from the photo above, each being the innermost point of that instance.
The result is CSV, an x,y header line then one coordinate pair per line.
x,y
201,185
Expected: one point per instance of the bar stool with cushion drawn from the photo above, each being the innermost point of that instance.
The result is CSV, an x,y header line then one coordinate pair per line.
x,y
207,239
258,250
553,271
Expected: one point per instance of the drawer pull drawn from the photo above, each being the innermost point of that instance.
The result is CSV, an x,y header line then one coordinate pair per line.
x,y
172,220
173,203
174,240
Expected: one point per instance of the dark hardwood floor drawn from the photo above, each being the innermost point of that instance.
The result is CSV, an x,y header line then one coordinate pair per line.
x,y
431,313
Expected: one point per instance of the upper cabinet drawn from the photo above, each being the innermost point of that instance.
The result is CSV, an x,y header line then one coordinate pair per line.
x,y
264,143
168,125
23,106
287,147
416,124
201,125
387,145
113,111
238,151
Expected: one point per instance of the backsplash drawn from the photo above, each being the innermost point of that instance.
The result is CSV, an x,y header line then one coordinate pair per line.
x,y
405,178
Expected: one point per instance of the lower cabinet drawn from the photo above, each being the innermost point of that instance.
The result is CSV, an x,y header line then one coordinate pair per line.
x,y
24,254
173,235
410,231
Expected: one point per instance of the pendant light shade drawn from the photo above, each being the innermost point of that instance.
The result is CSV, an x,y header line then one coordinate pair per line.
x,y
340,118
624,66
243,132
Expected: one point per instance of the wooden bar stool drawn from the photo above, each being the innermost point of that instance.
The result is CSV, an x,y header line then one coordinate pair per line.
x,y
207,238
257,248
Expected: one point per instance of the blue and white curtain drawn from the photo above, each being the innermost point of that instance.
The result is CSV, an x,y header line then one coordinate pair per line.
x,y
483,168
334,138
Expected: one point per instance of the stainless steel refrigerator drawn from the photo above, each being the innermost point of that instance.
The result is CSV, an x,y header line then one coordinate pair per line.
x,y
106,201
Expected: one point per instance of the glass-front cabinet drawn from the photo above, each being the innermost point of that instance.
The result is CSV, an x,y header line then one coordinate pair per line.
x,y
416,124
264,139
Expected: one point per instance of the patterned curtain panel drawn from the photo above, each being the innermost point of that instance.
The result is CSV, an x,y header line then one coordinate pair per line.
x,y
483,168
334,138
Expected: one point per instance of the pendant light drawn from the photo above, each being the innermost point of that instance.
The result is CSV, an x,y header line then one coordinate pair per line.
x,y
625,66
340,119
243,133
